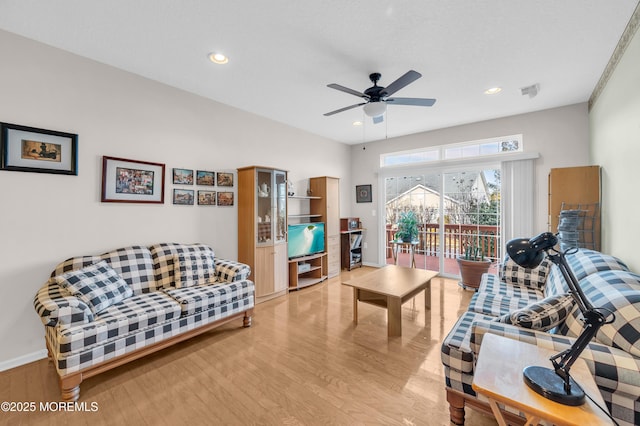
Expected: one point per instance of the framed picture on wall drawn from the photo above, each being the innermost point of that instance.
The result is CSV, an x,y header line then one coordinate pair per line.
x,y
205,178
183,196
224,179
225,198
131,181
206,198
183,176
363,194
28,149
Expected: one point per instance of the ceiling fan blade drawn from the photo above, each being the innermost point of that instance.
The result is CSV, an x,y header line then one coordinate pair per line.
x,y
378,119
343,109
347,90
411,101
408,78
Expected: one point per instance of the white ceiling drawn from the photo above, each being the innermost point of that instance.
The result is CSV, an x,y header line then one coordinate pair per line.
x,y
283,53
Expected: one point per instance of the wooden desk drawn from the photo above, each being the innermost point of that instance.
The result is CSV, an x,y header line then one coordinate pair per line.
x,y
498,376
389,288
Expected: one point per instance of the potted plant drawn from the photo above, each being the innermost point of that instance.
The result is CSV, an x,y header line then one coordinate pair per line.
x,y
472,265
407,227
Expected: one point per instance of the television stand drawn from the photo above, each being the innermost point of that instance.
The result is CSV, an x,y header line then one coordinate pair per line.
x,y
306,270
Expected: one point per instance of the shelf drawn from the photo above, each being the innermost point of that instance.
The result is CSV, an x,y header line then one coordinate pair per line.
x,y
297,216
303,197
299,279
306,282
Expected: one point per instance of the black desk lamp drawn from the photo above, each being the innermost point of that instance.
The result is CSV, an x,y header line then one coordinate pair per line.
x,y
557,385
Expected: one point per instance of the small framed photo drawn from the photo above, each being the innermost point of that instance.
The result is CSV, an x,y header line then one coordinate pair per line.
x,y
363,194
131,181
183,177
205,178
28,149
206,198
224,179
225,198
183,197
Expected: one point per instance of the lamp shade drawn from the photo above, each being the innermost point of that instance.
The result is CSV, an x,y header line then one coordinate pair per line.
x,y
524,254
375,109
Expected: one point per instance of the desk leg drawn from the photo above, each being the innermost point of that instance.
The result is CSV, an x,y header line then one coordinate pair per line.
x,y
497,413
394,316
427,296
355,306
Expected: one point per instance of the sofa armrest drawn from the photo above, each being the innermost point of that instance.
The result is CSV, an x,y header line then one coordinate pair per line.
x,y
230,270
612,368
55,308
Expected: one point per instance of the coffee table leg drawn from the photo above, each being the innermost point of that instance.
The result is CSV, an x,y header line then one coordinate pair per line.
x,y
394,316
355,306
427,296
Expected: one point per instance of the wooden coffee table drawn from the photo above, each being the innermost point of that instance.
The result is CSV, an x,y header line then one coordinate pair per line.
x,y
390,287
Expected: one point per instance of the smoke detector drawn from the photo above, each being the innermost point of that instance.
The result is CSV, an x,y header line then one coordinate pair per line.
x,y
532,90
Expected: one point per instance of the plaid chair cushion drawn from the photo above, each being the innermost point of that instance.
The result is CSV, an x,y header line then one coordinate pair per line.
x,y
500,304
135,313
612,291
192,269
542,315
196,299
133,264
164,255
98,286
511,272
586,262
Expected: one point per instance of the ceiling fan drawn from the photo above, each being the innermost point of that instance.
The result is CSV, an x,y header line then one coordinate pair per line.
x,y
377,97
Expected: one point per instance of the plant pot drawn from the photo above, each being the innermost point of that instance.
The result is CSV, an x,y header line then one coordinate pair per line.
x,y
471,272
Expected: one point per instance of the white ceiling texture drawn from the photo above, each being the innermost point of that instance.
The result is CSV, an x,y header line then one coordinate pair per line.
x,y
283,53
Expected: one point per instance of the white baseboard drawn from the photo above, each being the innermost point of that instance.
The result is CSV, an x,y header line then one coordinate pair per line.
x,y
374,265
22,360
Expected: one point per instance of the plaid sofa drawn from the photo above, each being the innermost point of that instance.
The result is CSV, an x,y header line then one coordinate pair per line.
x,y
164,294
502,302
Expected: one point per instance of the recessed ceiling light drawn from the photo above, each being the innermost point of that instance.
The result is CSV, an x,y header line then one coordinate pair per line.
x,y
218,58
493,91
357,123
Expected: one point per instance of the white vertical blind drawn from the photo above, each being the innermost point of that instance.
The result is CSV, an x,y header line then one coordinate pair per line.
x,y
517,198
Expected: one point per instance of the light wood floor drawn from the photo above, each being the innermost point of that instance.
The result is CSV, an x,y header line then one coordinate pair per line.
x,y
303,362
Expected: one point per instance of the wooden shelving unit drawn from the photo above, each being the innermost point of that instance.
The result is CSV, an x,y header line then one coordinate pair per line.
x,y
300,277
351,248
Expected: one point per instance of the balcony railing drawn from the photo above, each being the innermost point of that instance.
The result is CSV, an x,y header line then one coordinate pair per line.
x,y
456,239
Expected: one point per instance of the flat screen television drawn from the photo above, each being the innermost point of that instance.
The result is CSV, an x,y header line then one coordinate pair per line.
x,y
305,239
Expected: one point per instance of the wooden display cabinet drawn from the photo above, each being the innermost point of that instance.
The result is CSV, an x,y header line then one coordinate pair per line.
x,y
262,228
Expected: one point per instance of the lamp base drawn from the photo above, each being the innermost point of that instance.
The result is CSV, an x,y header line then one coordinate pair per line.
x,y
547,383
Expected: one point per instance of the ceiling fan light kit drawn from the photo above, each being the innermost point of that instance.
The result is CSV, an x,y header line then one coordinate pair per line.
x,y
375,109
377,97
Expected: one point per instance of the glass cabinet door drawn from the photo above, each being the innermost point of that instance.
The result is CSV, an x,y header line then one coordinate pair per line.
x,y
280,213
264,205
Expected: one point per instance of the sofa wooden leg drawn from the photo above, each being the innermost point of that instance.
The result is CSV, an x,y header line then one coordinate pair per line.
x,y
246,322
70,387
456,407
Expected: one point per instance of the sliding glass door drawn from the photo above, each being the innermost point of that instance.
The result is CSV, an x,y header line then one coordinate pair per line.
x,y
456,210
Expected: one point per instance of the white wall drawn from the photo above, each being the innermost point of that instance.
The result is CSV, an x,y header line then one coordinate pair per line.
x,y
559,135
47,218
615,145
